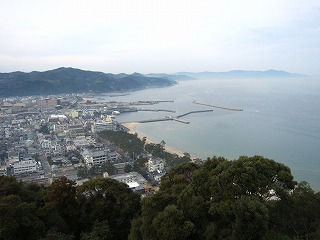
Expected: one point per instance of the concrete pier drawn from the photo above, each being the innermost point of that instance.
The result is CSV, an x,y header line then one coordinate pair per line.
x,y
155,110
155,120
200,111
180,120
214,106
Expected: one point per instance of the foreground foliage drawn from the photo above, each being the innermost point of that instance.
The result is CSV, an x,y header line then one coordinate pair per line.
x,y
99,209
248,198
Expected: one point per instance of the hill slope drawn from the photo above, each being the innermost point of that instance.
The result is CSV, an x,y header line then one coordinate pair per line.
x,y
70,80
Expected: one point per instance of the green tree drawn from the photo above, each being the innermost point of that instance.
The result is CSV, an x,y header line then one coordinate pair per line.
x,y
109,201
171,224
10,186
251,219
61,208
129,143
128,168
305,218
8,225
82,172
178,178
44,129
109,168
53,234
19,219
222,199
100,231
151,206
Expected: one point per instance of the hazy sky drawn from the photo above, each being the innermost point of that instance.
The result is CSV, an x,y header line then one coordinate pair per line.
x,y
160,36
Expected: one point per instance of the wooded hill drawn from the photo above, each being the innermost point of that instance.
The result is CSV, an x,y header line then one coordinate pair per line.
x,y
70,80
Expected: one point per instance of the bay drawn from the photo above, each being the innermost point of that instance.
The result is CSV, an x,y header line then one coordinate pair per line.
x,y
280,120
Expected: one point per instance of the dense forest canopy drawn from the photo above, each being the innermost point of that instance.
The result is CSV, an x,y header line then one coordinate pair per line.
x,y
247,198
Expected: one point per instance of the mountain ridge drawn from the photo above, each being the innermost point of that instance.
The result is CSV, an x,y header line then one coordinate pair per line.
x,y
71,80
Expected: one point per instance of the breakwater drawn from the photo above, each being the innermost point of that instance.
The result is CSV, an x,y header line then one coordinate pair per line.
x,y
174,118
200,111
164,119
214,106
154,120
141,102
155,110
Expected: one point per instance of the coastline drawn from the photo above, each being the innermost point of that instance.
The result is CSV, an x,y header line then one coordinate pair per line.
x,y
133,128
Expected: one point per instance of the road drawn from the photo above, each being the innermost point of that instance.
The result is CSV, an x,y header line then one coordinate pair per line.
x,y
45,164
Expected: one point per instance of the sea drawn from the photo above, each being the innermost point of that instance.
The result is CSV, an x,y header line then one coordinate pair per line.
x,y
280,120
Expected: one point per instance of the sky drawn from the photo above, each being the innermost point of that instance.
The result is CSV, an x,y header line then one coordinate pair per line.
x,y
164,36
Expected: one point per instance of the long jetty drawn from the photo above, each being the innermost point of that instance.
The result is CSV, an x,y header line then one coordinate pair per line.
x,y
180,120
164,119
155,120
200,111
147,102
155,110
214,106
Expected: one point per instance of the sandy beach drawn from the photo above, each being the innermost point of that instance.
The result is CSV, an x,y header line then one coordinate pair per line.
x,y
133,128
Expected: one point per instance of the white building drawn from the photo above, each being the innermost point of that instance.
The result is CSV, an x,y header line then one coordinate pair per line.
x,y
134,180
103,125
60,127
25,167
96,157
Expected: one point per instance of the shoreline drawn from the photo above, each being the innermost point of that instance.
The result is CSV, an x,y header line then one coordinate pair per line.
x,y
133,128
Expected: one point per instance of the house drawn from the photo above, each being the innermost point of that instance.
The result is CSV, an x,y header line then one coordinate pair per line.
x,y
46,144
155,165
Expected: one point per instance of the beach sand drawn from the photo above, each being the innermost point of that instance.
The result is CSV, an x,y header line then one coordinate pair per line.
x,y
133,128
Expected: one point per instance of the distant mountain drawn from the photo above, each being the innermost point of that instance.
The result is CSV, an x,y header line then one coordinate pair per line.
x,y
243,74
70,80
175,77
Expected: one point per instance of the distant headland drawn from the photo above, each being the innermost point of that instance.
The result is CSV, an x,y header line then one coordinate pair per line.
x,y
243,74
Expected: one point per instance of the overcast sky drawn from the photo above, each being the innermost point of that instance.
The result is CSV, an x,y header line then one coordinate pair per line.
x,y
160,36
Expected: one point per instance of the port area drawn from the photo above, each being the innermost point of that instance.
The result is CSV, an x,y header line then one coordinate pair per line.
x,y
215,106
121,106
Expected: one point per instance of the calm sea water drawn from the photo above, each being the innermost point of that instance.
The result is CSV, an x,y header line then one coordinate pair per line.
x,y
281,120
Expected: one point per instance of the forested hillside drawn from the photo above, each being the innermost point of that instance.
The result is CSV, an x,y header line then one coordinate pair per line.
x,y
70,80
